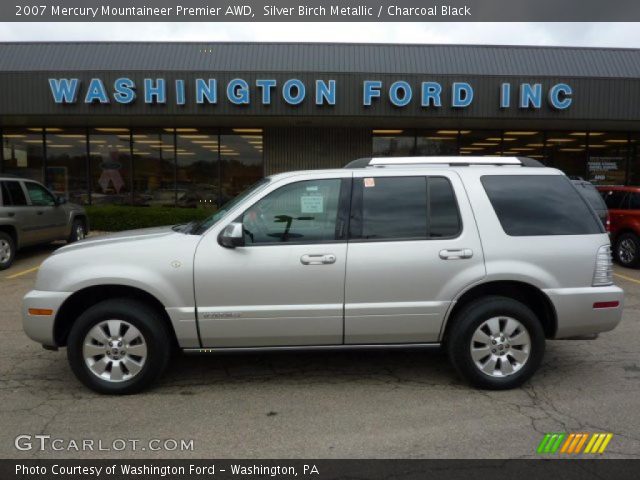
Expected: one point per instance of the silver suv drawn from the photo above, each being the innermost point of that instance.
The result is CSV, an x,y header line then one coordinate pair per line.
x,y
30,215
487,257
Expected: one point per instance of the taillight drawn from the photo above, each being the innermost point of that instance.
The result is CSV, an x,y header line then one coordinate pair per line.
x,y
607,224
603,273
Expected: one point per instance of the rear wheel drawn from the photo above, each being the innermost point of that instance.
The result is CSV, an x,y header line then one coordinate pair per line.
x,y
496,343
119,346
627,250
7,250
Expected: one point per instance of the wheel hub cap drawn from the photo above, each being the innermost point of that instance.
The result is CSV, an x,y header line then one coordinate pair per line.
x,y
115,350
500,346
626,251
5,251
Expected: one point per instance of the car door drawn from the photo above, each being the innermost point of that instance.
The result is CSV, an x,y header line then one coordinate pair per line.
x,y
17,211
413,247
286,285
50,220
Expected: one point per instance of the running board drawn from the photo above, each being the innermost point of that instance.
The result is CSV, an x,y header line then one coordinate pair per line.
x,y
312,348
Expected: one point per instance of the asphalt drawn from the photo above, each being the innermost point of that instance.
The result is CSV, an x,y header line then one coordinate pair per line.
x,y
319,405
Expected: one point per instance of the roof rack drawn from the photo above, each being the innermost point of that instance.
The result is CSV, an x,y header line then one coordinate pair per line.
x,y
452,161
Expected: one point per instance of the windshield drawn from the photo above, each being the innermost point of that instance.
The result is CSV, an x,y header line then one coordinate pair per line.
x,y
197,228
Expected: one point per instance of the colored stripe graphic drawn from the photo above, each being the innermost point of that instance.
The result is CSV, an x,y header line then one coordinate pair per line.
x,y
551,442
573,443
598,443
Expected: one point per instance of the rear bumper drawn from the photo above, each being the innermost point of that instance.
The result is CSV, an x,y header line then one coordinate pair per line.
x,y
576,315
40,328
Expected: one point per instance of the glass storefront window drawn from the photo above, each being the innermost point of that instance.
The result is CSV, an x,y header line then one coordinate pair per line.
x,y
197,168
23,152
525,143
608,154
437,142
394,143
154,167
67,164
110,166
241,163
567,151
480,142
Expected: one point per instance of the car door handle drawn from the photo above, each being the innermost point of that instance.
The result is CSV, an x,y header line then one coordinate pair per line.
x,y
318,259
39,212
456,254
11,214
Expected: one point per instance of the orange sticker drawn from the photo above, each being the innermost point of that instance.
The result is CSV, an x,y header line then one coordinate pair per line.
x,y
369,182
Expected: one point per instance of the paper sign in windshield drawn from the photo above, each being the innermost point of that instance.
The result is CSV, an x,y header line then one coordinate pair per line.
x,y
312,204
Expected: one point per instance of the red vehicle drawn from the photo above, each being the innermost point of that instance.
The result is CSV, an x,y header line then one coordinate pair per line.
x,y
624,213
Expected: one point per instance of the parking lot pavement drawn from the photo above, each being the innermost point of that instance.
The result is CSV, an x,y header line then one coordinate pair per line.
x,y
310,405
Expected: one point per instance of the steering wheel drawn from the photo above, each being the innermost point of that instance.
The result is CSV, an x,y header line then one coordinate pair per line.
x,y
254,222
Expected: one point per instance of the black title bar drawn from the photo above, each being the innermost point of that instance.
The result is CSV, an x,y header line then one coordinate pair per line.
x,y
318,469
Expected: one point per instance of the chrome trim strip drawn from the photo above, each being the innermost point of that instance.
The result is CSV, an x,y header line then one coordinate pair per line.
x,y
295,348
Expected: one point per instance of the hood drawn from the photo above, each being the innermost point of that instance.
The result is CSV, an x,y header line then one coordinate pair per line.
x,y
119,237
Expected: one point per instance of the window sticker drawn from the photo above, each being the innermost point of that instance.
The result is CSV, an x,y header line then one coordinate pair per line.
x,y
312,188
369,182
312,204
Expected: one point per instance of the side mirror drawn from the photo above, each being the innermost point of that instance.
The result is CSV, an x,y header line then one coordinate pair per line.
x,y
61,200
232,236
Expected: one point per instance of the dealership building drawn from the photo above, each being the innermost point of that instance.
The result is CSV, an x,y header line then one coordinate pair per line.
x,y
193,124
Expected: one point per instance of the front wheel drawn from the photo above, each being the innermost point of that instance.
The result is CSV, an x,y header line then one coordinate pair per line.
x,y
496,343
7,250
78,231
119,346
627,250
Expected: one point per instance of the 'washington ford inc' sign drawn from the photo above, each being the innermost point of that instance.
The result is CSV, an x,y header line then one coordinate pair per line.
x,y
294,92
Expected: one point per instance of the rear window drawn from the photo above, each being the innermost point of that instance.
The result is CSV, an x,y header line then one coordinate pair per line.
x,y
592,195
529,205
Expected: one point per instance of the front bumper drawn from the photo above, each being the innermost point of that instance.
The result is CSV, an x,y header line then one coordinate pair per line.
x,y
576,315
40,328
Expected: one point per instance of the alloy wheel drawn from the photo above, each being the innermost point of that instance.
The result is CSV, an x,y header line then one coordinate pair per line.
x,y
79,232
114,350
5,251
627,251
500,346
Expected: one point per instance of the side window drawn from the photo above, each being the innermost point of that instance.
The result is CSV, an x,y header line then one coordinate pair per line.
x,y
443,209
404,208
530,205
301,212
12,194
394,207
634,201
5,198
615,199
39,195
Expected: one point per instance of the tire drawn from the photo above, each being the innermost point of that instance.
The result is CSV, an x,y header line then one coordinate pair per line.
x,y
627,250
7,250
78,231
146,355
513,362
